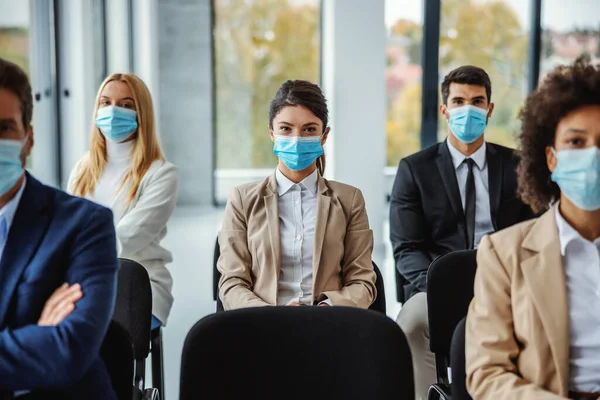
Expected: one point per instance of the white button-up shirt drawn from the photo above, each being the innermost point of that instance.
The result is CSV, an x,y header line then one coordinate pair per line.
x,y
297,218
483,214
581,261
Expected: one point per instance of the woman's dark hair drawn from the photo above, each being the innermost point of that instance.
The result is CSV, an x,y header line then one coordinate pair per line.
x,y
565,89
307,95
14,79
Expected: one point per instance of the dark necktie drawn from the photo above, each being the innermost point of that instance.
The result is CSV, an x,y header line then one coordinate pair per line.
x,y
470,204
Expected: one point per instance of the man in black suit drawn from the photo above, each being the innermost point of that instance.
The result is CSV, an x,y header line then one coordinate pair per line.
x,y
445,198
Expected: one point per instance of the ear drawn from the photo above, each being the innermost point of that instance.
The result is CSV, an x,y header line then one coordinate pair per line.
x,y
325,136
27,146
271,134
490,111
444,111
551,160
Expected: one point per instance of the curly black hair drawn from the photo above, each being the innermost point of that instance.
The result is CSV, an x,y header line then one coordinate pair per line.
x,y
564,90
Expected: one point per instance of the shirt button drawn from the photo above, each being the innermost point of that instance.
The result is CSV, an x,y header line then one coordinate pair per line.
x,y
299,237
297,201
299,280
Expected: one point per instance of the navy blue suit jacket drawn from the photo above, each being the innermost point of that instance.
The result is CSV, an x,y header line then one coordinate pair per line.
x,y
56,238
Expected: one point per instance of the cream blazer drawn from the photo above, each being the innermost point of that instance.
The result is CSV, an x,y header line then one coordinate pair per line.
x,y
517,331
142,225
250,247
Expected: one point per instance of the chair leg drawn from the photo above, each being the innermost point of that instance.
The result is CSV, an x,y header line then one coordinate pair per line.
x,y
158,374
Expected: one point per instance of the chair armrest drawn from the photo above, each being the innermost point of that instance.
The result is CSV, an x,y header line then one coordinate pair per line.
x,y
439,391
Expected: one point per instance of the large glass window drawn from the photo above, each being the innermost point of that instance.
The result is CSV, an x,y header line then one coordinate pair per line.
x,y
14,32
404,24
493,35
569,31
258,45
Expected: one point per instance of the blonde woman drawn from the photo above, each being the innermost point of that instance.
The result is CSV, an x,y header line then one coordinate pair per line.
x,y
125,169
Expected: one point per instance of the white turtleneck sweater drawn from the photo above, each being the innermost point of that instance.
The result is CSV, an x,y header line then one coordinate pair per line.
x,y
119,162
140,224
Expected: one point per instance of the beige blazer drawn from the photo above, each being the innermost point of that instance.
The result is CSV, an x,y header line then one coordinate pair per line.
x,y
250,247
517,331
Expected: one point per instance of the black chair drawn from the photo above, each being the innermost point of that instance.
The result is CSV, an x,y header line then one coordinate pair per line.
x,y
292,352
133,310
216,273
118,356
449,291
457,363
378,304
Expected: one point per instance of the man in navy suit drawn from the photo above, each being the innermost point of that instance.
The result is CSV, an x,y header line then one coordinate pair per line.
x,y
58,269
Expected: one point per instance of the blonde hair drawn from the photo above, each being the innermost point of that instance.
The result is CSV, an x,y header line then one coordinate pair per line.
x,y
145,150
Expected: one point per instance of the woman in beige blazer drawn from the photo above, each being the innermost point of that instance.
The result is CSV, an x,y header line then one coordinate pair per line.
x,y
533,328
296,238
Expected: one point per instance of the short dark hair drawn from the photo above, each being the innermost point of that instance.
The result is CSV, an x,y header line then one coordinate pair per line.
x,y
307,95
470,75
14,79
565,89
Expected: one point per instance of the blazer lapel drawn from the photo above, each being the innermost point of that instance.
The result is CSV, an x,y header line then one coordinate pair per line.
x,y
26,233
271,200
323,205
544,276
495,175
448,173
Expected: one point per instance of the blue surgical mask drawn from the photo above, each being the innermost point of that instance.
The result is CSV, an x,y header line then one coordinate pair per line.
x,y
577,174
116,123
467,123
297,152
11,167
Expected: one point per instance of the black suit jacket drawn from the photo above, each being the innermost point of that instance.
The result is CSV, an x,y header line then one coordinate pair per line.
x,y
426,214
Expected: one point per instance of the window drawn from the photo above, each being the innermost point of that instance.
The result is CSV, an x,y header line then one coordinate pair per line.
x,y
14,32
568,32
404,25
258,45
493,35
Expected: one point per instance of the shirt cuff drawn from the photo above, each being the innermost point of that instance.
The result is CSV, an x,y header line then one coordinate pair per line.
x,y
327,301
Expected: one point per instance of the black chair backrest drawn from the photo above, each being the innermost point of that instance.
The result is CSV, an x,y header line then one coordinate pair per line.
x,y
457,363
216,273
378,304
287,352
118,356
449,291
133,308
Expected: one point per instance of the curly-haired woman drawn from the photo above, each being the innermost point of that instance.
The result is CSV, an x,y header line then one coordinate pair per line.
x,y
533,328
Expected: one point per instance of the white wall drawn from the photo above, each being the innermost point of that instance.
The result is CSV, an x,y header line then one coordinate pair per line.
x,y
354,40
77,77
44,158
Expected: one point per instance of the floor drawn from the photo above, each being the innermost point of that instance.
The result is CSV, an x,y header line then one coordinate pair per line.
x,y
191,238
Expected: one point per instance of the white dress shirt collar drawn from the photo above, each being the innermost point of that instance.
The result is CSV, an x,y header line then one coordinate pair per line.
x,y
566,233
458,158
284,184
